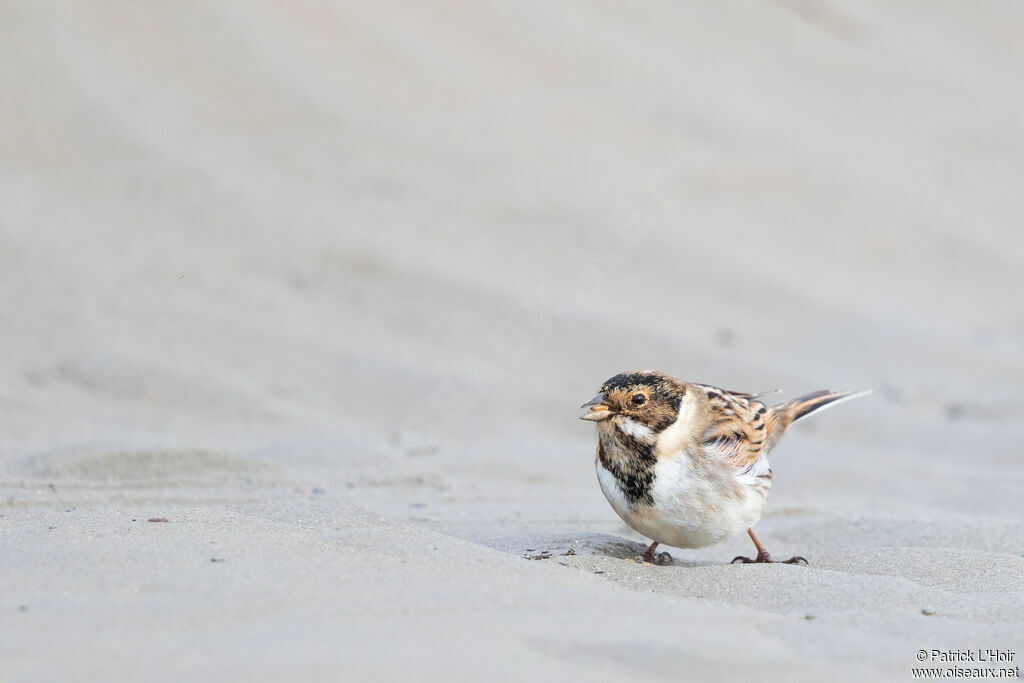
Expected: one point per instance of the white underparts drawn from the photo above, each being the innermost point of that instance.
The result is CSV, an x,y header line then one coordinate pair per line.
x,y
692,507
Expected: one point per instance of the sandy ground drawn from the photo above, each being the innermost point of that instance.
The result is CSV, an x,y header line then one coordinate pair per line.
x,y
324,286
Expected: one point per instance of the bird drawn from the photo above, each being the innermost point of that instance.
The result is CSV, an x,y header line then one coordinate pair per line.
x,y
686,464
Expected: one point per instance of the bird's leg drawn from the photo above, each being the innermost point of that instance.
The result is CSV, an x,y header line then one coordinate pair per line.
x,y
660,558
762,554
649,553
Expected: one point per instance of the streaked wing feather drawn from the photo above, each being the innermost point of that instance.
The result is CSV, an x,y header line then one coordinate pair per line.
x,y
739,429
743,394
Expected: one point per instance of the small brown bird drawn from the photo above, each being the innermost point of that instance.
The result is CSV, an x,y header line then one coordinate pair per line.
x,y
686,464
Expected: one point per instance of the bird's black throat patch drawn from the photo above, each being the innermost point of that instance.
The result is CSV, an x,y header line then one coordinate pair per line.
x,y
631,461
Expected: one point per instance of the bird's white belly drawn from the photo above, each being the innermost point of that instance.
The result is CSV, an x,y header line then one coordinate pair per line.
x,y
691,508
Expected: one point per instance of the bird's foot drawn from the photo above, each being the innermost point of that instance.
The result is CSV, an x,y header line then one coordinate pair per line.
x,y
660,559
763,558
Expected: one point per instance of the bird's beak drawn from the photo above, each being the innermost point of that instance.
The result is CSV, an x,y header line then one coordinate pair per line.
x,y
599,410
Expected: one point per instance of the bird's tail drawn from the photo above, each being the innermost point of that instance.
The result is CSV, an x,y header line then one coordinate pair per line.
x,y
798,408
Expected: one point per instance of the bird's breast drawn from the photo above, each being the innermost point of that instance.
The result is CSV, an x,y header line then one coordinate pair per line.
x,y
687,503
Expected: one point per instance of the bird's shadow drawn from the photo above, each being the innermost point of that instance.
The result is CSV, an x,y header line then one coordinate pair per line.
x,y
624,549
593,545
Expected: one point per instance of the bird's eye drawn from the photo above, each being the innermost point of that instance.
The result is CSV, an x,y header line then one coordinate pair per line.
x,y
639,399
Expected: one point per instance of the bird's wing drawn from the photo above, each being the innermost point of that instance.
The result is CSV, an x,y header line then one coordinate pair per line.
x,y
738,431
756,394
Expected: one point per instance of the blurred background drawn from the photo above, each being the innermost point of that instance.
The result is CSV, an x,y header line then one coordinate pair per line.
x,y
436,229
385,252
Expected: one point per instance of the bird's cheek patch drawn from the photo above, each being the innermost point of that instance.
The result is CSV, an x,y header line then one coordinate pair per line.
x,y
636,430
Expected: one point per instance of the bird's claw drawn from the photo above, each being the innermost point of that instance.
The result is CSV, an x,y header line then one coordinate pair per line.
x,y
765,558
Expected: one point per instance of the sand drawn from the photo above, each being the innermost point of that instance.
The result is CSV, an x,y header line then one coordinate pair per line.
x,y
323,286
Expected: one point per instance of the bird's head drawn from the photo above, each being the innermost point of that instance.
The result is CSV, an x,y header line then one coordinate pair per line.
x,y
639,403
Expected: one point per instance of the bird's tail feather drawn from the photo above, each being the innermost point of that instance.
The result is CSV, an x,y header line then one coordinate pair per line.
x,y
803,406
798,408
